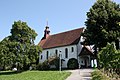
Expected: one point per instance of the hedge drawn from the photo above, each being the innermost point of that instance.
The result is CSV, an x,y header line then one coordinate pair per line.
x,y
98,75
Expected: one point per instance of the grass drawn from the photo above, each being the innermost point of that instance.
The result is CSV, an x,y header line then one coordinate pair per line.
x,y
34,75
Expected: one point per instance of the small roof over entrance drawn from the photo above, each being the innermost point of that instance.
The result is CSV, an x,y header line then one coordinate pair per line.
x,y
86,51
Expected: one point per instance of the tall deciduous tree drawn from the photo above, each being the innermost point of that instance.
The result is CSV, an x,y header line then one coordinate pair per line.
x,y
19,47
5,55
102,23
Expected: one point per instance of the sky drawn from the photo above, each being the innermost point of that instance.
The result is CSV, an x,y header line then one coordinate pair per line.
x,y
62,15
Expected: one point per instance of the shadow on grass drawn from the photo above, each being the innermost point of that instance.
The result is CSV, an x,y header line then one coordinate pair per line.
x,y
10,72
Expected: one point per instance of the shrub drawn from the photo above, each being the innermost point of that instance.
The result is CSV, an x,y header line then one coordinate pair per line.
x,y
43,66
97,75
39,66
72,63
34,66
109,58
54,61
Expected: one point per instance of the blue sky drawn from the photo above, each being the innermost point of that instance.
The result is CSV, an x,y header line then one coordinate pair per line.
x,y
62,15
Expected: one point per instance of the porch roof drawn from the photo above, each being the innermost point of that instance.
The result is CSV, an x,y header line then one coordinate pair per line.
x,y
86,51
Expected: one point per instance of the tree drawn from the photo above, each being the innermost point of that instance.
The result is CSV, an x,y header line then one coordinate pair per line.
x,y
103,24
4,55
22,33
19,48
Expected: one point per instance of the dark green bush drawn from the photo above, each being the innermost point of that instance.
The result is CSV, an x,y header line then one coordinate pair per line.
x,y
72,63
97,75
54,61
43,66
39,66
34,66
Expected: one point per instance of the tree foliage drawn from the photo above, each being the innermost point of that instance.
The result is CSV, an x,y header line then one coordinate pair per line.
x,y
19,48
103,23
22,33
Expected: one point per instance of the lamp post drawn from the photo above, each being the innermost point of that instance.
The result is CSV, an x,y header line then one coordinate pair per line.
x,y
60,61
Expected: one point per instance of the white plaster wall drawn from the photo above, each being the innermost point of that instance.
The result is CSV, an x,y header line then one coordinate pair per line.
x,y
62,49
79,48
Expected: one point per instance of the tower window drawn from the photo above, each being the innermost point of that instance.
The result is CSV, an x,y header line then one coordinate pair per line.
x,y
66,53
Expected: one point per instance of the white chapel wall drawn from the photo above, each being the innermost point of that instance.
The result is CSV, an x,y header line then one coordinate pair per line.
x,y
62,49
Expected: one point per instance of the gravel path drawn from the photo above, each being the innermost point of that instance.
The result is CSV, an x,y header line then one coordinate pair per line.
x,y
80,74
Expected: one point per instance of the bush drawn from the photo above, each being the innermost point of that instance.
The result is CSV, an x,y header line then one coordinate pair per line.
x,y
25,67
97,75
43,66
109,58
34,66
54,61
39,66
72,63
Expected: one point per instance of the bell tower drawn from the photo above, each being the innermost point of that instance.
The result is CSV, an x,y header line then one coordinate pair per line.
x,y
46,32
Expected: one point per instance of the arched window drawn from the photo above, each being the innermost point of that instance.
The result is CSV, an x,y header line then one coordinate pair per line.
x,y
47,54
56,52
41,56
66,53
72,49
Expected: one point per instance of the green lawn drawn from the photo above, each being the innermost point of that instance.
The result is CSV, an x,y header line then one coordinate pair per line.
x,y
34,75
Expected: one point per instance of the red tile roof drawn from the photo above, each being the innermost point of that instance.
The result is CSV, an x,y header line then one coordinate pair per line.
x,y
62,39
